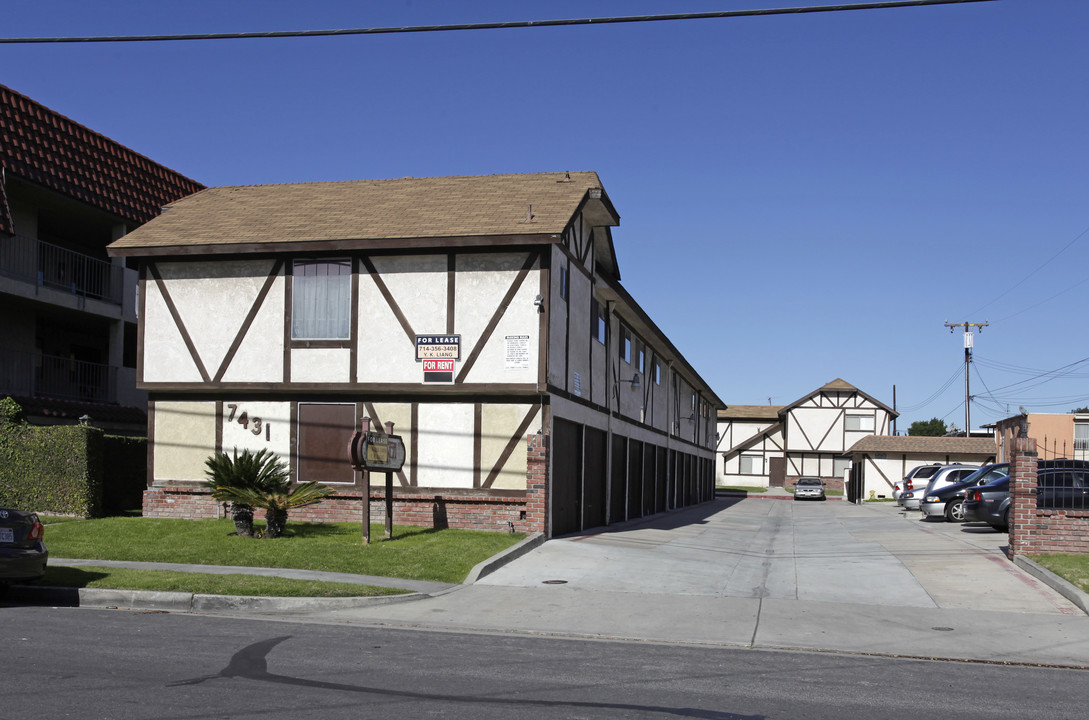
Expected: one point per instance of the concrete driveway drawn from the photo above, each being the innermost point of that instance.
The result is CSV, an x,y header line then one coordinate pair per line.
x,y
833,551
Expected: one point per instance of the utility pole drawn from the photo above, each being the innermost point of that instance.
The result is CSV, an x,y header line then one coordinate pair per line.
x,y
968,337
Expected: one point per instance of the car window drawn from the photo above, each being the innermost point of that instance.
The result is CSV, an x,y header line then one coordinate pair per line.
x,y
926,471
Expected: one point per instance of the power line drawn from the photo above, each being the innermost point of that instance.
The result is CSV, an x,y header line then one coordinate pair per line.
x,y
489,25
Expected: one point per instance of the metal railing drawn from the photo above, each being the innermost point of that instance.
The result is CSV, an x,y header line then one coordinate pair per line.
x,y
53,266
35,375
1063,485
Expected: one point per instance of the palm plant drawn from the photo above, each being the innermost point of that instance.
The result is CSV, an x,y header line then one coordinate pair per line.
x,y
277,499
248,471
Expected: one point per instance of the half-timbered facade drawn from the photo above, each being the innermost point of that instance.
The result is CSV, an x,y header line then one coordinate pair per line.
x,y
483,316
769,445
879,462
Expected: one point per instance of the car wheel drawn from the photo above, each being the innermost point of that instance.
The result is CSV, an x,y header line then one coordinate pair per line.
x,y
954,511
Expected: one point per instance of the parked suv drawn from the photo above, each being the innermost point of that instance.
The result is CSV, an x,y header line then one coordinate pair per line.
x,y
945,475
948,502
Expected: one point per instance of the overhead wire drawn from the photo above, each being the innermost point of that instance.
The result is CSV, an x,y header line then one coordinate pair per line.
x,y
490,25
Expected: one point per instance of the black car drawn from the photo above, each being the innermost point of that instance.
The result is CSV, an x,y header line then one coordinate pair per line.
x,y
1060,483
948,501
1063,488
23,555
989,503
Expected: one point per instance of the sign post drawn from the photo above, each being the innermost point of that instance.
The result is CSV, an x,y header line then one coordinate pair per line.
x,y
369,450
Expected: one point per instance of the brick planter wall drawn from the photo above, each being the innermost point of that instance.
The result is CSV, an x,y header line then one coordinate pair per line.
x,y
1040,530
511,512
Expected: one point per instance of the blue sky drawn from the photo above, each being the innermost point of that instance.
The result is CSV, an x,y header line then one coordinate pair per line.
x,y
803,197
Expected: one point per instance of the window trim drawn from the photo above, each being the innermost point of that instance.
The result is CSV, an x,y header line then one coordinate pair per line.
x,y
314,341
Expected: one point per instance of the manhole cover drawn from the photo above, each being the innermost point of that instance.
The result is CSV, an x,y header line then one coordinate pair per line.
x,y
554,582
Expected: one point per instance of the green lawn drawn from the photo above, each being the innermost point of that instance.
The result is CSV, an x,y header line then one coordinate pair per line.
x,y
1073,568
414,553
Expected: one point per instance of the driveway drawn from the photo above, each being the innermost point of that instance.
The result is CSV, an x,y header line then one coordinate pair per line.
x,y
833,551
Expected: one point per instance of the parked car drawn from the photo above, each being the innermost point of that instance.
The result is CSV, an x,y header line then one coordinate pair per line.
x,y
945,475
23,555
920,474
991,503
809,488
1063,488
948,502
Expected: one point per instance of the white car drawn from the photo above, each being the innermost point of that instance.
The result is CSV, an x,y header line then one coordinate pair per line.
x,y
916,477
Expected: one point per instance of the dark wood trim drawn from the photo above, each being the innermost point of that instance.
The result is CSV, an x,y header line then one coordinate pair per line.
x,y
150,442
339,246
219,426
478,347
416,390
381,285
843,432
289,291
414,439
165,294
519,435
377,424
543,318
451,284
353,331
142,310
322,344
478,429
277,393
277,266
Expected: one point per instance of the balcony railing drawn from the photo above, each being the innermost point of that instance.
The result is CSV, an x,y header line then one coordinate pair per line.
x,y
55,267
49,376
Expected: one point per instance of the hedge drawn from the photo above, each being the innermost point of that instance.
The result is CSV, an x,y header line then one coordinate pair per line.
x,y
62,468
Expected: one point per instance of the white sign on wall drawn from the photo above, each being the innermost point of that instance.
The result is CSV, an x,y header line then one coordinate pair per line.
x,y
517,357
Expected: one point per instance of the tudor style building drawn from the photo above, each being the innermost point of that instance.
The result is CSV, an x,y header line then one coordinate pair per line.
x,y
68,347
762,445
483,316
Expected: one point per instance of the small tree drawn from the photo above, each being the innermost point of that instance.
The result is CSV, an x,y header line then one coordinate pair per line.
x,y
277,499
248,471
929,428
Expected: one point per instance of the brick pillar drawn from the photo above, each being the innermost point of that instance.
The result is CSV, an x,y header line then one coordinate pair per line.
x,y
537,484
1023,459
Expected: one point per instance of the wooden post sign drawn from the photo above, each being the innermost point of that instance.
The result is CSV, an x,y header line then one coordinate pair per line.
x,y
370,450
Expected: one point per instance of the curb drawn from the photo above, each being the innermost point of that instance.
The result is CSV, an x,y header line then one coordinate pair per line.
x,y
1058,584
190,602
487,567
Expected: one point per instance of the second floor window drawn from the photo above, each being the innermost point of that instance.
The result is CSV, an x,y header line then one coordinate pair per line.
x,y
321,299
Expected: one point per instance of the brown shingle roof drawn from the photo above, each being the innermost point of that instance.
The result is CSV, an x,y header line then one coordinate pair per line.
x,y
366,212
47,149
923,444
750,412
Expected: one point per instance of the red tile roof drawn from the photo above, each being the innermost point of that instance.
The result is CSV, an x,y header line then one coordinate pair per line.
x,y
54,152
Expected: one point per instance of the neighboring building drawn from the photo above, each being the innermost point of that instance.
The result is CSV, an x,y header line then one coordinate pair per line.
x,y
880,461
1058,435
768,445
68,347
484,316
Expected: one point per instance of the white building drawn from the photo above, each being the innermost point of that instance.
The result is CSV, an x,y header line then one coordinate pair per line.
x,y
484,316
767,445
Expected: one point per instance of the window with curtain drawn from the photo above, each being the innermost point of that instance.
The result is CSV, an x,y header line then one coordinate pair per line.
x,y
321,299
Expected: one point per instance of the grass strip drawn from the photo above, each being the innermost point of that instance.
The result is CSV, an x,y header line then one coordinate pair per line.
x,y
413,552
1072,568
89,576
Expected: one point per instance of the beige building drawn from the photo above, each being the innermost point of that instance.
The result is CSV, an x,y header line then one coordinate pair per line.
x,y
1058,435
880,461
484,316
